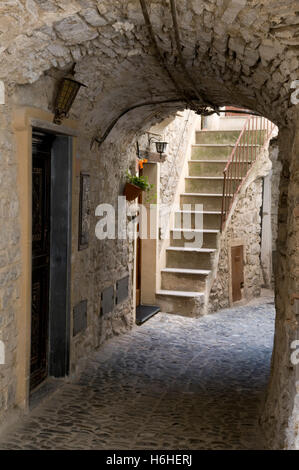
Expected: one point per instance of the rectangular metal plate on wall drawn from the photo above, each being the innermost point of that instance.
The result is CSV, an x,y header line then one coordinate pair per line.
x,y
80,317
84,211
107,300
122,289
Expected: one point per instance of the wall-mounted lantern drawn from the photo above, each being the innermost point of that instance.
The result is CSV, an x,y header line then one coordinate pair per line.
x,y
161,147
67,92
152,156
160,144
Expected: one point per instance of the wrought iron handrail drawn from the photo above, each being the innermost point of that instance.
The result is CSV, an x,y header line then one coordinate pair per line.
x,y
254,135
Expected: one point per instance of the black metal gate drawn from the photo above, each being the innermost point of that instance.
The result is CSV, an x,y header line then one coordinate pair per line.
x,y
41,184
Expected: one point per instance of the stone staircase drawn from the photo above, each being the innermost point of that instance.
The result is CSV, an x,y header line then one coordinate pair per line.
x,y
185,278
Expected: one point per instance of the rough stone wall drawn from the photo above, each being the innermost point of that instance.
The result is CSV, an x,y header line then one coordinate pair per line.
x,y
275,179
105,261
10,266
245,225
242,52
281,415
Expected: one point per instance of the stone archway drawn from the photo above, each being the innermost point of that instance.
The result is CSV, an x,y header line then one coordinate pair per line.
x,y
237,52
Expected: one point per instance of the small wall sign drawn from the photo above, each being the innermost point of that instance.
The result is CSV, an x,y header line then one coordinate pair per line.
x,y
84,211
107,300
122,289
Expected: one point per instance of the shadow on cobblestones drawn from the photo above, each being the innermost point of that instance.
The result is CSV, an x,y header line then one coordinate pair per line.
x,y
174,383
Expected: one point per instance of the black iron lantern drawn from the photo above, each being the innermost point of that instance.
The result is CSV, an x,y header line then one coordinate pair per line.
x,y
67,92
161,147
160,144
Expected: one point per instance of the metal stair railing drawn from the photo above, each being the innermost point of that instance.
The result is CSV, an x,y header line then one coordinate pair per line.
x,y
254,135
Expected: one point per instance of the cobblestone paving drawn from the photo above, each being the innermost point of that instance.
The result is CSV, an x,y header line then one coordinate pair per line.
x,y
173,383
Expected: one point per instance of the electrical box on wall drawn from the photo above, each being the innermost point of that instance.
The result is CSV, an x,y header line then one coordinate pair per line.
x,y
80,317
107,300
122,289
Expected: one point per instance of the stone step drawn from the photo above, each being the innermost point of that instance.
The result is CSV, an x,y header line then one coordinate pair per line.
x,y
205,184
213,168
190,256
215,152
217,136
201,238
208,219
178,293
206,201
171,301
182,257
194,250
188,271
190,280
211,152
227,136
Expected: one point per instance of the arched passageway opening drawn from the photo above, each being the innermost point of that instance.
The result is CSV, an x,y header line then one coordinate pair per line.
x,y
230,53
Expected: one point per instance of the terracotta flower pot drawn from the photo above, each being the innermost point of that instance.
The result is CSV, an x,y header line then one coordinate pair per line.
x,y
131,191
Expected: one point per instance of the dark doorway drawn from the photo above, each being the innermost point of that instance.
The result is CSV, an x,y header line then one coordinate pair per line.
x,y
237,272
51,246
41,186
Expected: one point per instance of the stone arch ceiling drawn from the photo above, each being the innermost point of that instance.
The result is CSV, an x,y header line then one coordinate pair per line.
x,y
242,52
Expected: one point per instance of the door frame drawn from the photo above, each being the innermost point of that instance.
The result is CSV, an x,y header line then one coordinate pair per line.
x,y
60,256
24,119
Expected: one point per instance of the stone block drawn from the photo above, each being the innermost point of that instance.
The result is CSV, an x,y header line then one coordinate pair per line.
x,y
73,30
232,11
92,16
237,45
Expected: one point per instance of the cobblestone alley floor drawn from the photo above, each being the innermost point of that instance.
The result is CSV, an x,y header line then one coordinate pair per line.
x,y
173,383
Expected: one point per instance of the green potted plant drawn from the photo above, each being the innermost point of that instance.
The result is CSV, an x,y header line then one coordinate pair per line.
x,y
135,185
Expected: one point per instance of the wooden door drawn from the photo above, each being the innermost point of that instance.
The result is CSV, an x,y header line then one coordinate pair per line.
x,y
237,272
41,180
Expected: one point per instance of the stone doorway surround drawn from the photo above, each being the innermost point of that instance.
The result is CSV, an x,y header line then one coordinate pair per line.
x,y
24,120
